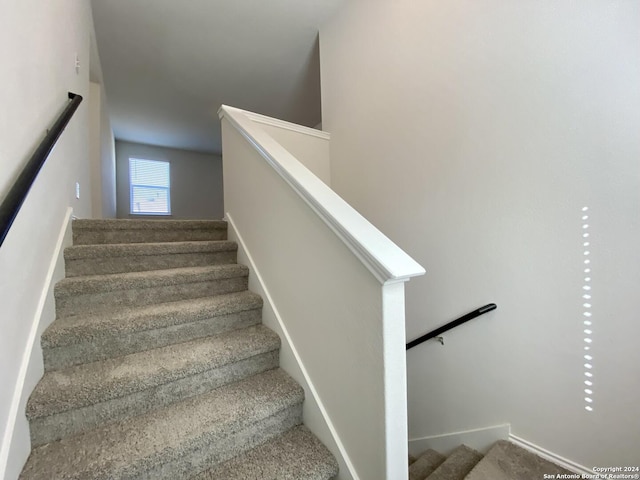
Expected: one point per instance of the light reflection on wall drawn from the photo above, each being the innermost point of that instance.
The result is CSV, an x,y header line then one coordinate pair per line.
x,y
586,313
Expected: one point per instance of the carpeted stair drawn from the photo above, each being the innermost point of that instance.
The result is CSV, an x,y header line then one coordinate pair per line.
x,y
158,366
504,461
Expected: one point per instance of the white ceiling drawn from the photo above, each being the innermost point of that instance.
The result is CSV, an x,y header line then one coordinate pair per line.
x,y
168,65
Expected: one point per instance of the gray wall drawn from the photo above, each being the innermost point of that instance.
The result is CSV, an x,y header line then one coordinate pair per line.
x,y
474,133
102,155
196,180
38,44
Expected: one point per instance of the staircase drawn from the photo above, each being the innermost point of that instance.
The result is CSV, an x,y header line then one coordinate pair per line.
x,y
157,365
504,461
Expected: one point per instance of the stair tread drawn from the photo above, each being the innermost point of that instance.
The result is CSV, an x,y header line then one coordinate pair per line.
x,y
93,232
506,461
73,329
150,278
88,384
457,465
77,252
296,454
130,448
145,224
425,464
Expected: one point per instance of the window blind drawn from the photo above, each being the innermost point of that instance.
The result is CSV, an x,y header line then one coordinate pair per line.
x,y
150,183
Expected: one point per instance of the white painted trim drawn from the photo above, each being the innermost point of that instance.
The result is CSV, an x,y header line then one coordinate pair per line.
x,y
384,259
24,364
480,439
552,457
288,339
394,352
258,118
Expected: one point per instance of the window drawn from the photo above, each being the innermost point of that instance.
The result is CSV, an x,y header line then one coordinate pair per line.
x,y
149,187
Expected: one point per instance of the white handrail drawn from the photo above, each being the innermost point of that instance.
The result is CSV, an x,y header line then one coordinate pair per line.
x,y
384,259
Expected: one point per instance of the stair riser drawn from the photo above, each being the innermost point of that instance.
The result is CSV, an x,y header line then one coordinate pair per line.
x,y
95,349
67,305
140,263
55,427
296,454
457,465
93,237
203,454
424,466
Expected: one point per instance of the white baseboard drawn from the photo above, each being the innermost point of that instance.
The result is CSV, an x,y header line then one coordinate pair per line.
x,y
288,351
552,457
16,440
480,439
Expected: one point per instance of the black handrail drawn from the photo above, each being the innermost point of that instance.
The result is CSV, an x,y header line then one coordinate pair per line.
x,y
18,193
459,321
